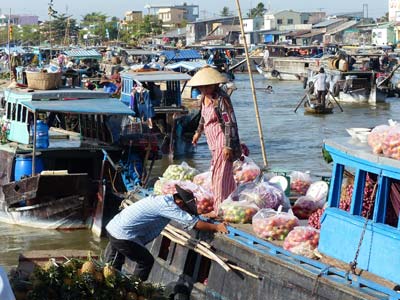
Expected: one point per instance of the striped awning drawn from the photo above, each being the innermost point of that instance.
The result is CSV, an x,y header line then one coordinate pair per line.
x,y
82,54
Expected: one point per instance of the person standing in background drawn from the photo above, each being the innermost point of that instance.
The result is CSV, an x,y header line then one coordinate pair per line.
x,y
266,57
320,86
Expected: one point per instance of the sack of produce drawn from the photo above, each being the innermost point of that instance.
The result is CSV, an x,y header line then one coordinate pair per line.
x,y
180,172
245,170
273,225
318,190
302,240
314,199
203,180
204,199
305,206
238,211
263,194
157,189
299,182
391,143
376,138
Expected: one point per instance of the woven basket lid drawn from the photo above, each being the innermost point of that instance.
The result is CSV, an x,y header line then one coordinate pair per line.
x,y
207,76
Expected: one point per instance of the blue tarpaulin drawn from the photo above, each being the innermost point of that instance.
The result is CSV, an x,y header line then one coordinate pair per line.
x,y
178,55
155,76
86,106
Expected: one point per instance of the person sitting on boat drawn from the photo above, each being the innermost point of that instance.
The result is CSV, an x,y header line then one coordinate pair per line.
x,y
269,89
140,223
320,85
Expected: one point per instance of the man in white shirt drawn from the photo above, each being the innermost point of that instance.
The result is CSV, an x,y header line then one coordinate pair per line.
x,y
266,57
320,86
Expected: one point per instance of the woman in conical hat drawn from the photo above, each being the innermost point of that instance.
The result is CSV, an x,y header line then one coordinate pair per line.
x,y
218,122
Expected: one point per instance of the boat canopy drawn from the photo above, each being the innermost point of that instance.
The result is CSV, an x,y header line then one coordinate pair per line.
x,y
178,55
136,52
86,106
83,54
154,76
189,65
60,94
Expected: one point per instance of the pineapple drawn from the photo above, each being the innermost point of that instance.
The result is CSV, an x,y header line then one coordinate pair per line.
x,y
88,267
50,264
109,272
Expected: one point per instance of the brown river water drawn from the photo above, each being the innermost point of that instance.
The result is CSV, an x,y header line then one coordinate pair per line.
x,y
293,142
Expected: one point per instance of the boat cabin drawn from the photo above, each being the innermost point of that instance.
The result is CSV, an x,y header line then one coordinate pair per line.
x,y
52,161
157,99
367,236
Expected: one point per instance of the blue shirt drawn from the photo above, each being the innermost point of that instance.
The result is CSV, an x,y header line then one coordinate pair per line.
x,y
144,220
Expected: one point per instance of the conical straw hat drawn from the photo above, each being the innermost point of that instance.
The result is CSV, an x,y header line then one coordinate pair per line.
x,y
207,76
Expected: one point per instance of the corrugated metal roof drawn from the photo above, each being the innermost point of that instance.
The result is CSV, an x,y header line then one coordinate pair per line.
x,y
87,106
179,32
343,27
178,55
276,32
327,23
155,76
140,52
82,53
189,65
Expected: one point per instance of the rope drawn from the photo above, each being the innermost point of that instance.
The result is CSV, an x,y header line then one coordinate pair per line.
x,y
319,275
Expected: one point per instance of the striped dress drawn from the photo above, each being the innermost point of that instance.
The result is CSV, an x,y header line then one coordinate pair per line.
x,y
223,183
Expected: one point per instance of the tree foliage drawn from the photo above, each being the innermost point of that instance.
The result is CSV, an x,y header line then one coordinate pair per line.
x,y
225,12
257,11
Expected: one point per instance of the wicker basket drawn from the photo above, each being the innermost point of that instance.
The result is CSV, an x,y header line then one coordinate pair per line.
x,y
43,81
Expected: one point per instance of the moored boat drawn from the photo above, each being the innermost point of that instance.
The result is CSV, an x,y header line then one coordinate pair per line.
x,y
82,124
355,259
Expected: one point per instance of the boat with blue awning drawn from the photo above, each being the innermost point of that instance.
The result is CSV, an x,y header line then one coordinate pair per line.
x,y
357,253
57,141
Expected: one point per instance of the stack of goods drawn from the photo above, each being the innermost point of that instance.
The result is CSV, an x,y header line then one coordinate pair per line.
x,y
302,240
299,182
345,201
376,138
385,139
262,194
182,175
245,170
391,143
313,200
238,211
272,225
77,279
180,172
203,180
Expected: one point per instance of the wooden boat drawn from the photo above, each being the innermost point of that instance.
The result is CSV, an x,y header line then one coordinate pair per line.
x,y
290,62
64,195
252,268
313,108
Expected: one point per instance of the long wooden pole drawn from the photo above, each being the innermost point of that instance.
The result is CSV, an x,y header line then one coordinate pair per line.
x,y
8,44
253,90
34,143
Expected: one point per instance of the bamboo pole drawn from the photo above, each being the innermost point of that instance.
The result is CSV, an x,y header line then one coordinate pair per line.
x,y
202,248
260,131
